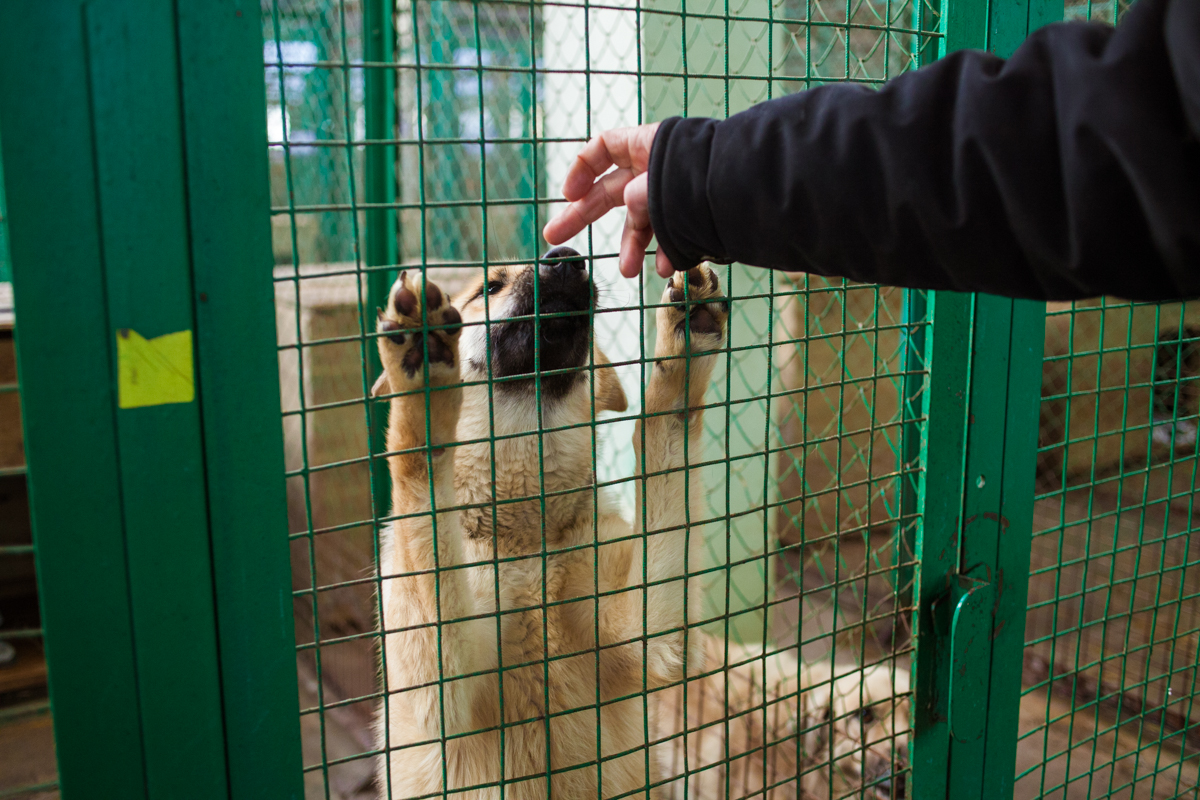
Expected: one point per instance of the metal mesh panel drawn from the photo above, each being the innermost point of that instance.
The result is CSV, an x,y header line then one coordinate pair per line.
x,y
1113,623
1113,614
805,522
1113,617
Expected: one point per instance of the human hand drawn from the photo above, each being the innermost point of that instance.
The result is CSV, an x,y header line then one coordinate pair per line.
x,y
593,191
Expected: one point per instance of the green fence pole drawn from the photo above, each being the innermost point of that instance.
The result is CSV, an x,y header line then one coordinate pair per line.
x,y
926,18
1007,538
224,113
940,503
63,350
382,247
940,491
978,619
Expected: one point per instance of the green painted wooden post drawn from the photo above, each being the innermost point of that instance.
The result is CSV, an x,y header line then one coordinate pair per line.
x,y
224,114
140,171
64,343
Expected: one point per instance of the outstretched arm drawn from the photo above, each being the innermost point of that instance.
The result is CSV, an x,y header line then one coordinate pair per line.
x,y
1072,169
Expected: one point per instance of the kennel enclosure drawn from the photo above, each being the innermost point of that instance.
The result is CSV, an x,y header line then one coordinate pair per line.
x,y
214,197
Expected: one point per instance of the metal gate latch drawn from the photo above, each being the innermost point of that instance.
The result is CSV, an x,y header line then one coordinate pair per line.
x,y
970,659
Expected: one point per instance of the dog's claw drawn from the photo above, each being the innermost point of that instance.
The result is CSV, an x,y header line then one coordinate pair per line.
x,y
706,312
404,300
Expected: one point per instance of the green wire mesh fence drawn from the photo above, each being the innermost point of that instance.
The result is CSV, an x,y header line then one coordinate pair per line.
x,y
1113,624
1114,613
805,537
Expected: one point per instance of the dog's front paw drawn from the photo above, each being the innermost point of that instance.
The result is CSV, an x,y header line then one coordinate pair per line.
x,y
691,329
695,311
420,328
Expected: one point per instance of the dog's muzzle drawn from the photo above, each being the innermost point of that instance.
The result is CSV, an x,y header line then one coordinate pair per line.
x,y
564,294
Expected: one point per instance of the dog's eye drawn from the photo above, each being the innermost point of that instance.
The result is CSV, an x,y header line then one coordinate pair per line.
x,y
494,286
867,716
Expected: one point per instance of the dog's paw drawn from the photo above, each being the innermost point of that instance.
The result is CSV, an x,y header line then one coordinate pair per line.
x,y
406,345
694,311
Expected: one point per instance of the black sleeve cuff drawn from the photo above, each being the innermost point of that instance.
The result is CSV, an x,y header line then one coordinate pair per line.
x,y
678,192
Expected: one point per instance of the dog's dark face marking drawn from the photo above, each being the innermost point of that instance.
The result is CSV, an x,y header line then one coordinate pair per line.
x,y
540,322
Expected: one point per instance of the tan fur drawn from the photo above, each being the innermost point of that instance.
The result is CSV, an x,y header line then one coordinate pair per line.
x,y
536,602
548,644
755,722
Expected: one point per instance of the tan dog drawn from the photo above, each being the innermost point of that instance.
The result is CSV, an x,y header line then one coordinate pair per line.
x,y
536,603
531,632
757,723
860,739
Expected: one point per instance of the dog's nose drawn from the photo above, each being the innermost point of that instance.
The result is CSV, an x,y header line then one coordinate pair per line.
x,y
561,262
565,255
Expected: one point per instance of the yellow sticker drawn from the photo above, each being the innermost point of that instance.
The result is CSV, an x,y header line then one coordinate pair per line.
x,y
154,372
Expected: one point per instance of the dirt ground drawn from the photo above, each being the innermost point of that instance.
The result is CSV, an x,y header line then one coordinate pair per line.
x,y
26,752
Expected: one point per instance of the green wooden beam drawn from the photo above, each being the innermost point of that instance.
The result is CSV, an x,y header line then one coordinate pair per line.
x,y
228,196
382,245
140,168
64,353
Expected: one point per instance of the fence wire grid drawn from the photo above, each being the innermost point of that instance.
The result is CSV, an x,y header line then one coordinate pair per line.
x,y
804,536
1113,624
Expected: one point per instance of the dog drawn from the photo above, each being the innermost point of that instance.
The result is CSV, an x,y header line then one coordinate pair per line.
x,y
531,634
763,726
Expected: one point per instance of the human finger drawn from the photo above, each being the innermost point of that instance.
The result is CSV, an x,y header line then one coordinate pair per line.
x,y
605,194
625,147
662,264
634,241
637,200
600,153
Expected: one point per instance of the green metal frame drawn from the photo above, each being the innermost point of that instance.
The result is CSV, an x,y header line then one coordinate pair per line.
x,y
977,500
137,184
383,222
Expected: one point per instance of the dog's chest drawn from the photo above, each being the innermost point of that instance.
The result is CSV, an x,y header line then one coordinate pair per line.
x,y
526,496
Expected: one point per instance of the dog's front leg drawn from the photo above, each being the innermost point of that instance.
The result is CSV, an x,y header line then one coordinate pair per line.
x,y
689,334
430,640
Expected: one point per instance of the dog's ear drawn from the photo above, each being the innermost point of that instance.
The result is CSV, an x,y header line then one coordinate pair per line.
x,y
381,386
609,394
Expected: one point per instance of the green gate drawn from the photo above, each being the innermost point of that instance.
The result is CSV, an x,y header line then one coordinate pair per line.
x,y
209,200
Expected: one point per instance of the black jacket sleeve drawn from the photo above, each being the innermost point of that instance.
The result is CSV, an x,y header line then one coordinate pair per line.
x,y
1070,170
